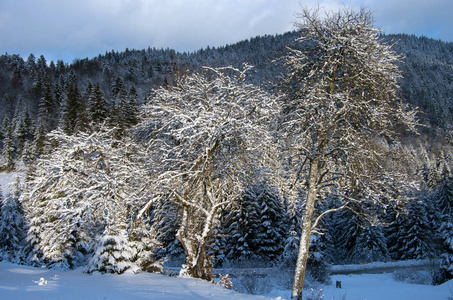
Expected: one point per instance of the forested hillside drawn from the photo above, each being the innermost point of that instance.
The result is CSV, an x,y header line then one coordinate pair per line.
x,y
38,89
134,157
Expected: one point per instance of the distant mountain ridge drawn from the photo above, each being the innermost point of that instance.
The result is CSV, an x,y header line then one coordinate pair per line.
x,y
427,70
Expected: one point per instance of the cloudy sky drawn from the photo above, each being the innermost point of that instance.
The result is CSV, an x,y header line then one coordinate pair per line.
x,y
68,29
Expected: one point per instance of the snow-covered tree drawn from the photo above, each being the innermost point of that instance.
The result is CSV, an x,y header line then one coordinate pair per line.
x,y
8,151
73,115
206,137
12,226
143,244
98,107
340,112
412,235
165,223
79,192
370,246
112,254
446,235
256,226
291,244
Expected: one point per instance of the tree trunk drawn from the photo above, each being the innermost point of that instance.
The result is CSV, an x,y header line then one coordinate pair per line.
x,y
201,267
198,265
302,257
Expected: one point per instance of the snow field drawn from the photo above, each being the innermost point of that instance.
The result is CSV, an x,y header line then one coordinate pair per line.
x,y
22,282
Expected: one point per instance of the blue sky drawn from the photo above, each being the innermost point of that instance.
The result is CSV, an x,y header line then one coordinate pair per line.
x,y
68,29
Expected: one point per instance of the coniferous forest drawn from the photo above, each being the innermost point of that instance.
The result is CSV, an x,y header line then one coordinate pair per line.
x,y
133,158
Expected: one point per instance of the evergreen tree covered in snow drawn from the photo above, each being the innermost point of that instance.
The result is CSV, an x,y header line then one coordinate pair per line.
x,y
165,223
8,151
444,197
98,107
12,227
144,245
412,236
291,244
256,225
345,231
77,192
73,115
370,246
446,234
318,264
112,254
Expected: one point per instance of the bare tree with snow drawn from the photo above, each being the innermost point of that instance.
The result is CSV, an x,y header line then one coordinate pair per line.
x,y
207,136
341,116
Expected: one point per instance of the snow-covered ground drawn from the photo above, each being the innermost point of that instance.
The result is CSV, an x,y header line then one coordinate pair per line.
x,y
21,282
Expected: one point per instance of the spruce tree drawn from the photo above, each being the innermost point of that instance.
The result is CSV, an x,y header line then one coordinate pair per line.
x,y
165,216
97,106
370,246
444,200
291,245
8,151
345,232
38,146
412,235
256,226
73,117
12,227
47,108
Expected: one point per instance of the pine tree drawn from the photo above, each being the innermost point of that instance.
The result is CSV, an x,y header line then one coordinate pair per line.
x,y
97,106
112,255
8,151
38,146
257,226
12,227
291,245
132,108
412,235
143,246
444,216
165,224
345,232
446,234
47,108
73,117
370,246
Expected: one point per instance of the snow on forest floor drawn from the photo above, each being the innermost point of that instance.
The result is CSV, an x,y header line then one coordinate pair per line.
x,y
22,282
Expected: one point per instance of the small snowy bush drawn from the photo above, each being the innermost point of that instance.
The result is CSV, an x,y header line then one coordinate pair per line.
x,y
112,255
414,277
254,284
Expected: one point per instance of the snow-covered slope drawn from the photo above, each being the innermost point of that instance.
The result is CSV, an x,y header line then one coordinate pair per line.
x,y
20,282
